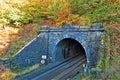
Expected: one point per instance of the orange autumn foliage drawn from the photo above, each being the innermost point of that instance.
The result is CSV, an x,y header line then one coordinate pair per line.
x,y
7,75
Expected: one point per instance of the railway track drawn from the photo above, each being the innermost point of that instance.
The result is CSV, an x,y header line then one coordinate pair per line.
x,y
60,71
68,70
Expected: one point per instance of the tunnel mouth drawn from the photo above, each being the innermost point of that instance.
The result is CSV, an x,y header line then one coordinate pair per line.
x,y
68,48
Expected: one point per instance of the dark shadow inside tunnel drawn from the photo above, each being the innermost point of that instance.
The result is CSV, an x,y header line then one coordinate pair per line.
x,y
67,48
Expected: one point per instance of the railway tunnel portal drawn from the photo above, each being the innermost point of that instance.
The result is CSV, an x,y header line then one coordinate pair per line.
x,y
57,44
67,48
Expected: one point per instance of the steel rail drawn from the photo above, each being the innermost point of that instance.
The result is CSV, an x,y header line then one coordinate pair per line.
x,y
70,71
49,75
42,71
64,68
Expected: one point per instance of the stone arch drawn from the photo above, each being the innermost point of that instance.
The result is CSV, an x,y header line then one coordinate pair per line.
x,y
66,48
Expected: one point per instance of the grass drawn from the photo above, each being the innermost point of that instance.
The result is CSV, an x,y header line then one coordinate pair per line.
x,y
8,74
28,70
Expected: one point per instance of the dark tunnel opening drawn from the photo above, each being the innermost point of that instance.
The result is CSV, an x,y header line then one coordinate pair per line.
x,y
67,48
